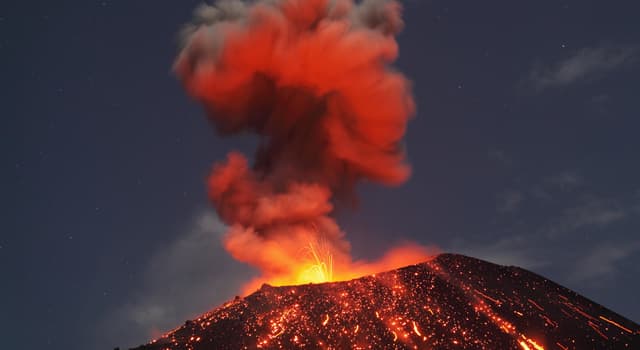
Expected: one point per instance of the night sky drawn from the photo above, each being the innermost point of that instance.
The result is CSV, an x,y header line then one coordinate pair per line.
x,y
523,151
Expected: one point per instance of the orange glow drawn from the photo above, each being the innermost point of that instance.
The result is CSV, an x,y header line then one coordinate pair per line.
x,y
317,265
319,269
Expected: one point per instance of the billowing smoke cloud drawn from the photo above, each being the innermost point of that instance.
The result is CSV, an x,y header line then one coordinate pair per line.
x,y
312,78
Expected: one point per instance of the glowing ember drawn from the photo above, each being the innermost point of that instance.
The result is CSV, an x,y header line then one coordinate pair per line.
x,y
451,302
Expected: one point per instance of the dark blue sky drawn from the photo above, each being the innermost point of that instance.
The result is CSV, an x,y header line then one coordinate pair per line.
x,y
524,152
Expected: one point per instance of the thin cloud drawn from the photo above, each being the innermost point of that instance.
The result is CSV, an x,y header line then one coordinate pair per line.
x,y
509,201
591,212
601,262
565,181
183,280
513,250
498,156
584,64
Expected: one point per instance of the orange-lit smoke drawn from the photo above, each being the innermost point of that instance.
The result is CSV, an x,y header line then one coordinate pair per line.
x,y
312,79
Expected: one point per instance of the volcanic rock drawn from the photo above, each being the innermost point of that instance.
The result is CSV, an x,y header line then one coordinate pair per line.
x,y
450,302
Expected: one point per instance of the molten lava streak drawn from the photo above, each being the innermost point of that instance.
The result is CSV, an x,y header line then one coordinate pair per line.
x,y
312,79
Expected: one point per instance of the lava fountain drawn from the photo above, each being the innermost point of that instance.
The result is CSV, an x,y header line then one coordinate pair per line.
x,y
311,78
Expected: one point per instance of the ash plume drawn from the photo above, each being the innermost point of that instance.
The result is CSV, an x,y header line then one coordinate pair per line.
x,y
313,79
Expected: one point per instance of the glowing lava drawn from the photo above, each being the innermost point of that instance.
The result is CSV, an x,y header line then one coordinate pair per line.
x,y
317,265
450,302
320,270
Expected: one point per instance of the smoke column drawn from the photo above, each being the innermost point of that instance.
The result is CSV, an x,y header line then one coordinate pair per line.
x,y
313,79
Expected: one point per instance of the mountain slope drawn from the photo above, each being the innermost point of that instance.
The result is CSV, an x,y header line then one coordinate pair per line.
x,y
450,302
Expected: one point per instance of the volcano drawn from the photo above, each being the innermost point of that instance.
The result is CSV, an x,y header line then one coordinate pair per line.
x,y
449,302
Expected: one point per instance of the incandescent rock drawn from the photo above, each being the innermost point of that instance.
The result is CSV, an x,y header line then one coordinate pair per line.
x,y
450,302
